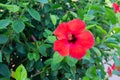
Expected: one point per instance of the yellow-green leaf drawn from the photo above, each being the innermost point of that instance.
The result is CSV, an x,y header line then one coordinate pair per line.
x,y
20,73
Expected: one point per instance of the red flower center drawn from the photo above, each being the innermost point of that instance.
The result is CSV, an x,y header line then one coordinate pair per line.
x,y
71,38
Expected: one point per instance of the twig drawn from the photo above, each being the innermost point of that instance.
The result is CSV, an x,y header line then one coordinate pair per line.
x,y
38,73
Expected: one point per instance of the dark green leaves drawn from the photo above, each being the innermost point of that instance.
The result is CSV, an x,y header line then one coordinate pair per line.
x,y
33,56
116,72
101,29
34,14
85,78
87,56
27,37
3,39
116,60
53,18
71,61
12,8
4,71
97,51
18,26
4,23
43,1
43,49
91,72
110,15
57,58
51,39
0,56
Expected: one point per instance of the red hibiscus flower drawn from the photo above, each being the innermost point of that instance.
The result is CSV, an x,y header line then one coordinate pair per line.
x,y
116,7
73,39
112,68
109,70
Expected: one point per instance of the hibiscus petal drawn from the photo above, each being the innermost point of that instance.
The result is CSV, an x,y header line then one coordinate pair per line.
x,y
62,47
85,39
113,66
109,71
76,25
76,51
116,7
61,31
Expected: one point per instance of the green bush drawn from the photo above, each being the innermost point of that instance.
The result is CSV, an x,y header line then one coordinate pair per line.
x,y
26,39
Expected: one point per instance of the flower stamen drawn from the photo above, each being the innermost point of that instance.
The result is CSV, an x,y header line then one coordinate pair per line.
x,y
71,38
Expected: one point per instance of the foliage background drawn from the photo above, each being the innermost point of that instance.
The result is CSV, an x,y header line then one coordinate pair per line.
x,y
26,39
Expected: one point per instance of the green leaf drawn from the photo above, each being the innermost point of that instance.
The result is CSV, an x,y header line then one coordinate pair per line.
x,y
55,64
73,70
3,39
18,26
57,58
48,32
85,78
67,75
34,14
96,7
30,65
7,57
12,8
90,26
48,61
113,45
4,23
51,39
98,40
91,72
111,40
65,17
42,50
30,56
53,18
27,79
117,35
71,61
118,17
80,13
36,56
116,72
43,1
97,78
20,73
0,56
87,56
4,71
116,60
97,51
4,78
101,29
88,17
73,14
56,6
116,29
110,15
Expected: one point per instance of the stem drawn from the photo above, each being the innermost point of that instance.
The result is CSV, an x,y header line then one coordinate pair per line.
x,y
38,73
23,11
6,42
